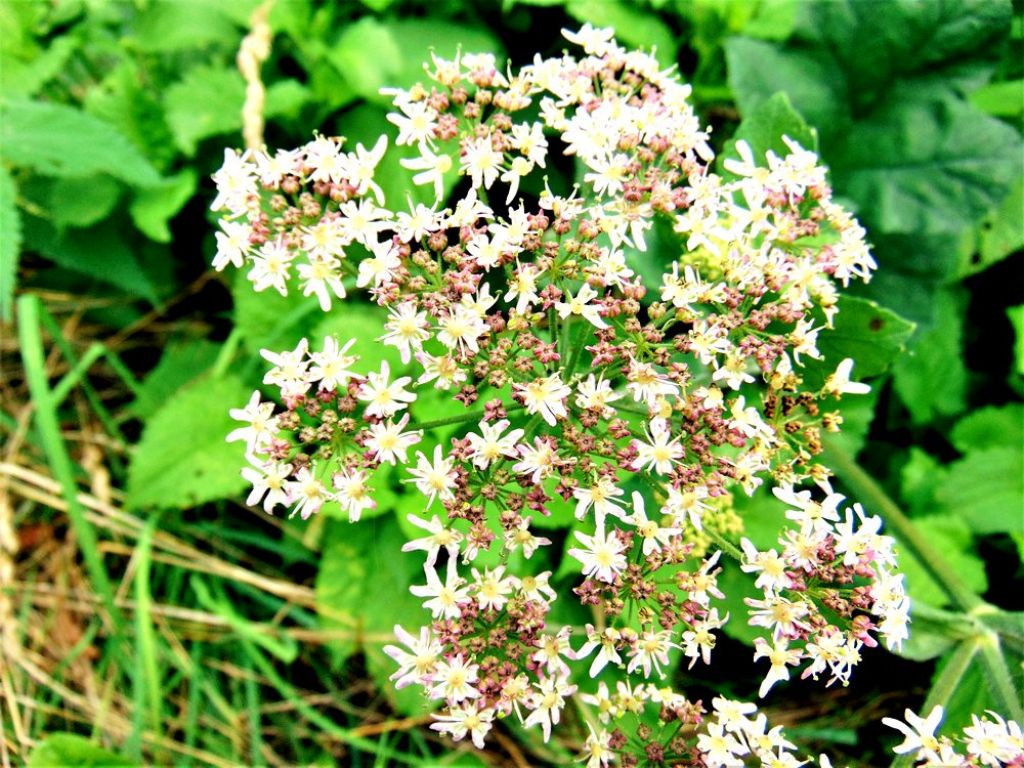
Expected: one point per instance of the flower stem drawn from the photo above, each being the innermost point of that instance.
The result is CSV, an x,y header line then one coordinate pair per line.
x,y
876,499
460,419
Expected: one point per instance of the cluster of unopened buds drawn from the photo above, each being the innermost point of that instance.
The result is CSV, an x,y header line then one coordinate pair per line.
x,y
580,391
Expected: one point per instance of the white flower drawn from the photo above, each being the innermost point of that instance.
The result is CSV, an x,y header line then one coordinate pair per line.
x,y
839,384
661,453
453,680
580,305
596,394
432,169
547,703
381,267
434,479
439,537
268,479
466,719
654,536
919,735
417,123
481,162
491,445
261,424
290,371
406,329
353,494
307,493
331,365
602,495
444,598
418,663
385,399
603,557
389,443
320,276
545,396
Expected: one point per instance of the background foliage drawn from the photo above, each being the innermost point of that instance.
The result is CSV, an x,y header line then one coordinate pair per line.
x,y
145,608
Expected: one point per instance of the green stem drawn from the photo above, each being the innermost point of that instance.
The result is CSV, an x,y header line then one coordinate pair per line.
x,y
460,419
997,675
34,362
724,544
877,500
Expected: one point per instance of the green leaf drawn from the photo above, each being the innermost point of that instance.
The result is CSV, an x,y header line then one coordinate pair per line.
x,y
10,243
363,586
180,363
368,74
1016,315
926,162
153,208
101,251
919,473
268,320
764,127
632,26
58,140
986,488
999,234
26,76
126,100
64,749
1004,99
950,535
869,334
401,48
364,323
206,102
183,458
935,355
186,24
82,202
992,427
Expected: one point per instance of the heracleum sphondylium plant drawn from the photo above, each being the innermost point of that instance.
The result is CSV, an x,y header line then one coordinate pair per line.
x,y
647,416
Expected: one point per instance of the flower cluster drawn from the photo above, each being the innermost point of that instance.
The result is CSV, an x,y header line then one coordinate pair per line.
x,y
590,399
989,741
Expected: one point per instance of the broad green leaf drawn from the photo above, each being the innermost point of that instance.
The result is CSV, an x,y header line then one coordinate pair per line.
x,y
25,76
992,427
180,363
58,140
632,26
66,749
950,535
153,208
926,162
183,458
764,127
869,334
10,243
125,99
1000,234
81,202
1016,315
935,355
1003,99
185,24
368,74
986,488
759,69
102,252
268,320
401,48
363,323
919,474
206,102
362,588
